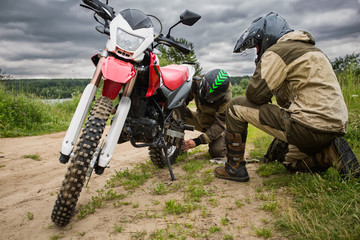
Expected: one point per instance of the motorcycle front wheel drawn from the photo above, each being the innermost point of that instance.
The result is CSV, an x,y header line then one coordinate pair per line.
x,y
80,159
157,155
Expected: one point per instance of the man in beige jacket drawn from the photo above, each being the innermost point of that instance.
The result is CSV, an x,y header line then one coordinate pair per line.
x,y
311,115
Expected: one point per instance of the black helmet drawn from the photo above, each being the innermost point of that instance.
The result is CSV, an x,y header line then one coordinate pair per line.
x,y
214,85
263,32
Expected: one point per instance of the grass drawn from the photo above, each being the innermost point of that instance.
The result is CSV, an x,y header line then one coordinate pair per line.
x,y
56,237
323,206
21,115
131,179
260,140
99,201
228,237
316,206
35,157
269,206
160,189
30,215
271,169
191,192
118,229
175,207
214,229
225,221
263,232
174,231
303,205
349,82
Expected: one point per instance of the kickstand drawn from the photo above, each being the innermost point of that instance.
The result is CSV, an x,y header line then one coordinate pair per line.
x,y
169,164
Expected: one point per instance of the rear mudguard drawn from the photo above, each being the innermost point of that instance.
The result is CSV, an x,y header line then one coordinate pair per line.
x,y
78,119
114,132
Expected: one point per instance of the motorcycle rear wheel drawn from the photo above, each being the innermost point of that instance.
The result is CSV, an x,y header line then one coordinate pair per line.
x,y
75,177
157,155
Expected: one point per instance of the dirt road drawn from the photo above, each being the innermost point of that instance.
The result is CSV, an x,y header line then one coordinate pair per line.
x,y
28,189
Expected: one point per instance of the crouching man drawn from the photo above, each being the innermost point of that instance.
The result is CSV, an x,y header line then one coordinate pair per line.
x,y
311,115
211,94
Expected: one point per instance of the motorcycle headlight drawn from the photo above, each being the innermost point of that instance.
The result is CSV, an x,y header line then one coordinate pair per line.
x,y
128,42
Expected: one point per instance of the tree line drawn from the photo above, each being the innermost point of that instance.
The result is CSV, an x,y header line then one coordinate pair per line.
x,y
66,88
46,88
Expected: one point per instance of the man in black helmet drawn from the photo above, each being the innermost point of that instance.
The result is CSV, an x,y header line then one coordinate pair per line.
x,y
311,116
211,93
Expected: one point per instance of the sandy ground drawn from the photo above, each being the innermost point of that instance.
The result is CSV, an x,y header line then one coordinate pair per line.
x,y
28,187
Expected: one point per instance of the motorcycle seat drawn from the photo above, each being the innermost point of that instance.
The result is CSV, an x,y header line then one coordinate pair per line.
x,y
174,75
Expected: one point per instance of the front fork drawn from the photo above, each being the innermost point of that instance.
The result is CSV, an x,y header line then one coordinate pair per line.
x,y
82,110
117,124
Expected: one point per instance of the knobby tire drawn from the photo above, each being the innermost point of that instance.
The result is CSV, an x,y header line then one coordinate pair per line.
x,y
75,177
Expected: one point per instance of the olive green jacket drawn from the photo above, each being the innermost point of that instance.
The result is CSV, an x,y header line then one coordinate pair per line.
x,y
301,78
210,116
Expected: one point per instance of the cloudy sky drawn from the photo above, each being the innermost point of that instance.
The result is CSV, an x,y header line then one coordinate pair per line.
x,y
56,38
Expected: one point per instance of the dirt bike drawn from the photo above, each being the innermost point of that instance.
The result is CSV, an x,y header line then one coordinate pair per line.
x,y
151,99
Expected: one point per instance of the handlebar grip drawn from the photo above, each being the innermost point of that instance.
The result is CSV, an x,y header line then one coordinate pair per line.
x,y
182,48
92,4
100,8
171,42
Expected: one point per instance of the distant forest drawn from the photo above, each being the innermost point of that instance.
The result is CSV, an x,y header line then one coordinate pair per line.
x,y
237,80
46,88
62,88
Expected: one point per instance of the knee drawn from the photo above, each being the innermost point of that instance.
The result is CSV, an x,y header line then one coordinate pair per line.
x,y
216,152
218,148
239,101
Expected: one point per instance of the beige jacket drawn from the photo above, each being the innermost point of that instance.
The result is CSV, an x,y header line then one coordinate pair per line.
x,y
303,81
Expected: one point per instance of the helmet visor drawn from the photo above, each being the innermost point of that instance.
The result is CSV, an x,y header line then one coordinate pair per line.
x,y
248,40
203,88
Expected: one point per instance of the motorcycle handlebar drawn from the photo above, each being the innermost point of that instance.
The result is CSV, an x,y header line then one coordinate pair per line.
x,y
171,42
107,13
103,10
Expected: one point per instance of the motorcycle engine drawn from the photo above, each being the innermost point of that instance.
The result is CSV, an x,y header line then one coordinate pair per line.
x,y
141,124
143,129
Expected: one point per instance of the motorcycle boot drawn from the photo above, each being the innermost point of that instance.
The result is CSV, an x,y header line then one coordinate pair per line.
x,y
349,166
276,151
234,169
338,155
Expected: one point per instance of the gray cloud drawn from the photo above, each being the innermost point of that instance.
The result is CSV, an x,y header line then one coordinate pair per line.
x,y
41,38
